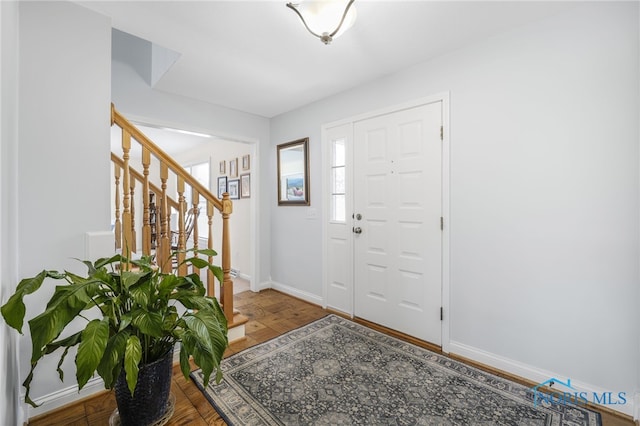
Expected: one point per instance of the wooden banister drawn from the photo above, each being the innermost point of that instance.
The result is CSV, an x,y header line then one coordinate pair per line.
x,y
126,177
173,165
140,178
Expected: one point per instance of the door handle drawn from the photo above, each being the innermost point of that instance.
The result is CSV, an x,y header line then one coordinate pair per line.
x,y
357,230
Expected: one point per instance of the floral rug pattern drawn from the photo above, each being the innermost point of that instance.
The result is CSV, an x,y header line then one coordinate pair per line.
x,y
336,372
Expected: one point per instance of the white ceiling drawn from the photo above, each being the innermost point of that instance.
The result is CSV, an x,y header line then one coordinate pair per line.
x,y
255,56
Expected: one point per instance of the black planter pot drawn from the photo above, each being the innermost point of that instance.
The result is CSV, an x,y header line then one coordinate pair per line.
x,y
151,394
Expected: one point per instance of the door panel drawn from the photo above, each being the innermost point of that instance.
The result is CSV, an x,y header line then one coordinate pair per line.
x,y
398,192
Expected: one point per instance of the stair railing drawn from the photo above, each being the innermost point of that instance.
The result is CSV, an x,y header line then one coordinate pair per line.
x,y
126,177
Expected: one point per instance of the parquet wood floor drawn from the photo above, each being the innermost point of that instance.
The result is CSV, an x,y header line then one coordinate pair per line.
x,y
270,314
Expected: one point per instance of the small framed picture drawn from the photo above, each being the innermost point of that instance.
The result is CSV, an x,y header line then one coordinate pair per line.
x,y
223,167
245,185
222,186
233,168
234,189
245,162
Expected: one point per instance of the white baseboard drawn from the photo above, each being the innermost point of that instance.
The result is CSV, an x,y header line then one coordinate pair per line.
x,y
308,297
62,397
264,285
538,375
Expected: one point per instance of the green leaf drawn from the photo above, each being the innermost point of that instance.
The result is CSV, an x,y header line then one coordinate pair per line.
x,y
149,323
205,252
72,340
132,357
196,261
202,355
145,262
27,385
65,305
217,272
205,337
59,368
141,293
125,320
13,311
184,361
90,268
91,349
111,362
130,278
170,319
102,262
190,300
168,284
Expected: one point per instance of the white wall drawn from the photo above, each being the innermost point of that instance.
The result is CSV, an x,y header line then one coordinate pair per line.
x,y
63,149
240,223
10,387
544,166
135,99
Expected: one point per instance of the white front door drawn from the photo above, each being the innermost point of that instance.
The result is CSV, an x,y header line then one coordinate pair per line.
x,y
397,193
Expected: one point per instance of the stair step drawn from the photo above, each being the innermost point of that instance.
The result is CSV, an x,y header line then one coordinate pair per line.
x,y
236,328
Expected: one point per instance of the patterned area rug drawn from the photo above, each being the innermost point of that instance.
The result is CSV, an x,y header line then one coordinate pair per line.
x,y
336,372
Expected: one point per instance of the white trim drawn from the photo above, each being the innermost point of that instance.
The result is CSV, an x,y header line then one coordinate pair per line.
x,y
254,203
636,414
390,109
535,374
291,291
244,276
446,232
324,213
265,285
62,397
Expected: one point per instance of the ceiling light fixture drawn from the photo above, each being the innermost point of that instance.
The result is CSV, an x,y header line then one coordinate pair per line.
x,y
321,14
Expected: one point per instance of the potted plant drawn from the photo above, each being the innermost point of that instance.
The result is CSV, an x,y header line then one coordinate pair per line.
x,y
140,315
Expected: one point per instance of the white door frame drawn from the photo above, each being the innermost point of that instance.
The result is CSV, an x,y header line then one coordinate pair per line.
x,y
326,157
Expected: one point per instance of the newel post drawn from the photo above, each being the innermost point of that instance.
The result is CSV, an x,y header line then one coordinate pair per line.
x,y
226,296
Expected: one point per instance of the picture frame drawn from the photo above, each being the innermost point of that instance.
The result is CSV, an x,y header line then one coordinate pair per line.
x,y
233,168
293,173
234,189
223,167
245,185
246,164
222,186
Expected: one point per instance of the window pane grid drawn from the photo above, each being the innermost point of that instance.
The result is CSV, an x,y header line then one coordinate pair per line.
x,y
338,181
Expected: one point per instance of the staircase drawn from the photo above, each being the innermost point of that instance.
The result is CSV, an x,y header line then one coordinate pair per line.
x,y
154,231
